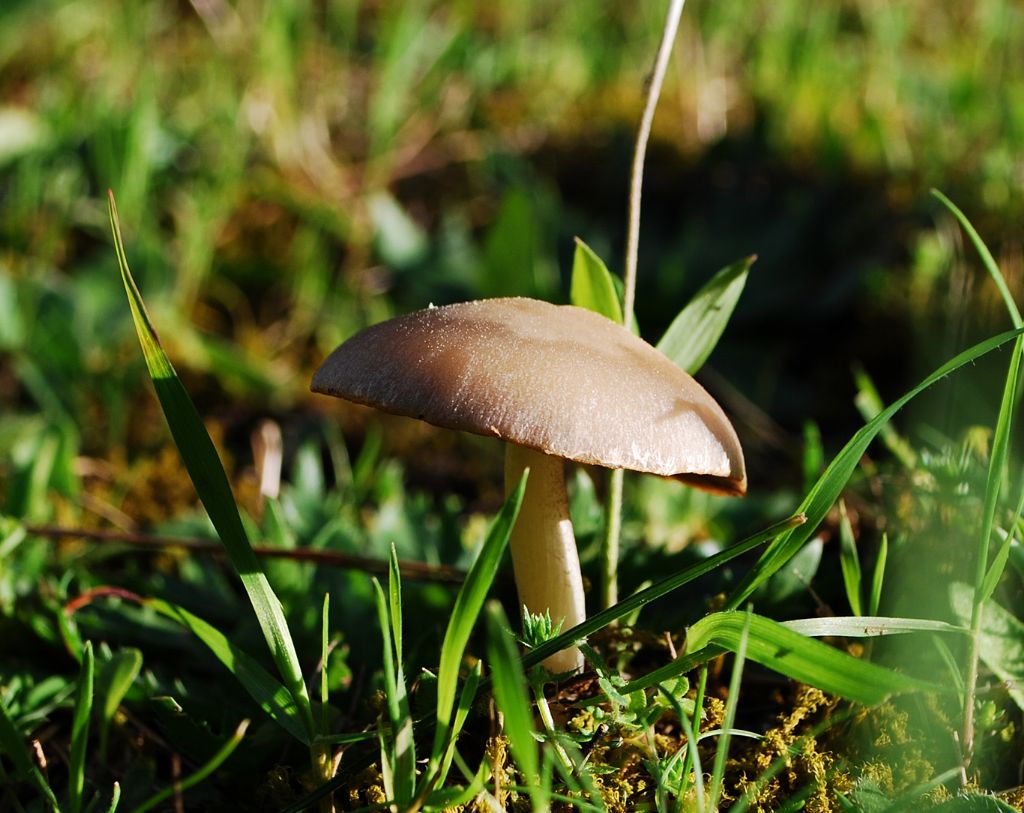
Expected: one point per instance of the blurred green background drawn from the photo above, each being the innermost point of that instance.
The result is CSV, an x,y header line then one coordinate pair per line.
x,y
288,172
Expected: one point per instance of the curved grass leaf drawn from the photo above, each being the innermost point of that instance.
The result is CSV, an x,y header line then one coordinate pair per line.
x,y
986,257
789,653
694,333
829,486
591,286
211,483
264,688
804,659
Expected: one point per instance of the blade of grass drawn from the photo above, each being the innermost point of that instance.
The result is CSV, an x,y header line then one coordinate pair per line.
x,y
986,257
207,474
13,747
993,482
1002,556
849,561
869,404
468,604
80,730
113,680
466,698
829,486
398,752
510,694
731,704
325,651
692,756
115,798
211,765
788,652
875,600
866,626
694,333
1000,640
267,691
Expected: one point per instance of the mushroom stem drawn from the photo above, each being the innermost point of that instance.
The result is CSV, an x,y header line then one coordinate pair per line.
x,y
547,567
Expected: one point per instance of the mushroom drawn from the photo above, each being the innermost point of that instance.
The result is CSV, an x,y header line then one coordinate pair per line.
x,y
555,383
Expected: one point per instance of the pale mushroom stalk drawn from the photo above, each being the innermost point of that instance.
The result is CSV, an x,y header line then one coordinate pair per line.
x,y
544,557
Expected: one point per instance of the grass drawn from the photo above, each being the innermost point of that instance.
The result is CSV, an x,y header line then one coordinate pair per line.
x,y
289,174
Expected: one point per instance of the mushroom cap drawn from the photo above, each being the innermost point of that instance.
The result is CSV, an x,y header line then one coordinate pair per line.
x,y
560,379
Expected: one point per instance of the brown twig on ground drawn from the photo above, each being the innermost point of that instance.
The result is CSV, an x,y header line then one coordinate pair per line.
x,y
415,571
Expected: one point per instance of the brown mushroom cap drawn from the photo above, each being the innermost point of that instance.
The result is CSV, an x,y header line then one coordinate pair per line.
x,y
560,379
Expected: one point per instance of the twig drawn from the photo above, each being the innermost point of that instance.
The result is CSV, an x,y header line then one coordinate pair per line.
x,y
416,571
613,512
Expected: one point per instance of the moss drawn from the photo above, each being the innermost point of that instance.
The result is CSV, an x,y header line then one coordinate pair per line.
x,y
808,766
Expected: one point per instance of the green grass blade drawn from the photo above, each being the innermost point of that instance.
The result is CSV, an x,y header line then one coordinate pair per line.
x,y
395,605
814,454
831,483
866,626
849,561
804,659
999,561
13,747
325,652
692,757
788,652
592,286
468,604
211,483
878,577
80,729
654,592
264,688
983,575
115,798
694,333
401,759
731,704
996,466
211,765
512,698
1000,639
466,698
986,257
869,403
113,680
